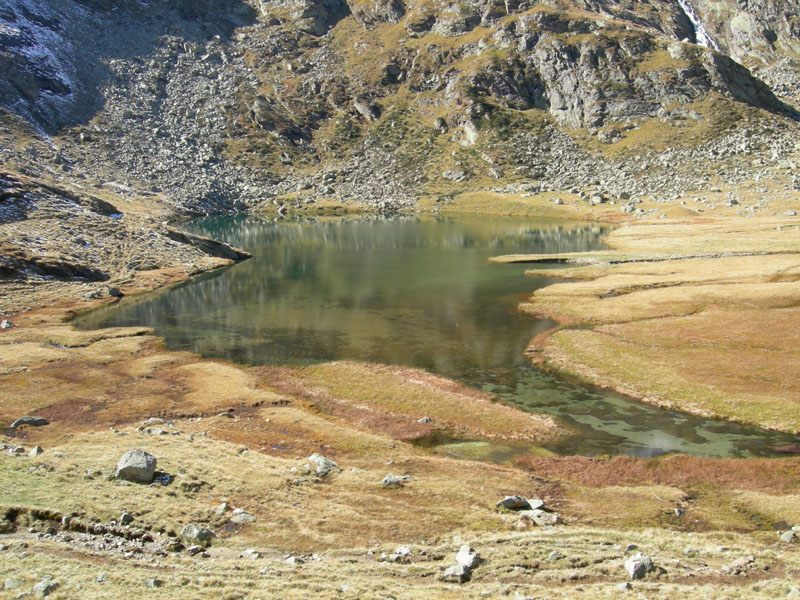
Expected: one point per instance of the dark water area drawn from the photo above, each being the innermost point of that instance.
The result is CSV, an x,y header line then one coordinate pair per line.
x,y
418,292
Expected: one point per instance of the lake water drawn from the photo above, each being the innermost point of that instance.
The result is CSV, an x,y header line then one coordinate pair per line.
x,y
417,292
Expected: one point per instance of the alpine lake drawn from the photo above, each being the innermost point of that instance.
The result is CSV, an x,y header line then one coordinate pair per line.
x,y
419,292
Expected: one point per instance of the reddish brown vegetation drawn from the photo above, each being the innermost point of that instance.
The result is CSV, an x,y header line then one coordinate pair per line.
x,y
761,474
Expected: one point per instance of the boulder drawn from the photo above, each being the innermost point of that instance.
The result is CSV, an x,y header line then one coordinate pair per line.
x,y
30,422
543,518
514,503
240,516
468,557
395,481
13,583
6,324
137,466
639,565
457,574
455,175
401,554
197,534
35,451
322,466
44,588
789,537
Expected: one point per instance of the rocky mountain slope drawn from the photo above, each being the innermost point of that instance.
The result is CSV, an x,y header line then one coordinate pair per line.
x,y
288,105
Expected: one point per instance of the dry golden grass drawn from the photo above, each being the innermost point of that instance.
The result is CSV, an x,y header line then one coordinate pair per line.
x,y
692,333
391,400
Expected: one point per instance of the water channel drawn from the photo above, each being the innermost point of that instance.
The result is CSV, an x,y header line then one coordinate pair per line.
x,y
419,292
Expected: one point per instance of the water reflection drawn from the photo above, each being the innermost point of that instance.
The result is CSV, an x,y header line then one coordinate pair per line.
x,y
417,292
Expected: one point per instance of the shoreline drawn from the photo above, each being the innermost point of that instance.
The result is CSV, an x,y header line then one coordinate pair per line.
x,y
605,308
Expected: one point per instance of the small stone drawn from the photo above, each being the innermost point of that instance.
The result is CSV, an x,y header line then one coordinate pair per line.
x,y
425,420
29,421
251,554
625,585
102,578
631,547
6,324
554,556
222,508
153,583
125,518
35,451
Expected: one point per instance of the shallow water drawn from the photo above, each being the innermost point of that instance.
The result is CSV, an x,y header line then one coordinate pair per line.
x,y
417,292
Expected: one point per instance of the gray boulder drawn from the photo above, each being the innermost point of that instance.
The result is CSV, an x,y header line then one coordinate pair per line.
x,y
29,421
13,583
514,503
468,557
44,588
322,466
455,175
789,537
457,574
197,534
395,481
639,565
542,517
241,516
137,466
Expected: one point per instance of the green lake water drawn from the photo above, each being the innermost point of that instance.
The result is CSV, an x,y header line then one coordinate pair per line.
x,y
417,292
